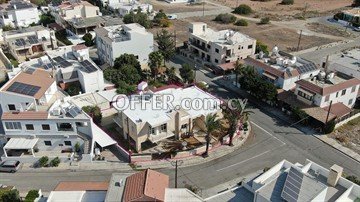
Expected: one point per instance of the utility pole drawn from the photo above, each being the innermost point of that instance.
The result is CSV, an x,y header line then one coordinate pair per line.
x,y
298,46
328,113
203,8
176,163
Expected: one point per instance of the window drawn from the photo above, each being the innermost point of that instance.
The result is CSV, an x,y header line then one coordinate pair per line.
x,y
343,92
45,126
216,50
208,46
250,46
67,143
306,96
216,61
163,128
151,130
350,101
11,107
204,28
327,98
353,89
64,127
13,125
47,143
29,126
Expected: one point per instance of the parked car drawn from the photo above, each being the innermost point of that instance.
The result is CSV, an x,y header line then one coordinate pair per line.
x,y
10,166
357,29
172,17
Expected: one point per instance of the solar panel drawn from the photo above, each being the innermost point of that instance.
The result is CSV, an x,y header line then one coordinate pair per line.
x,y
62,62
73,111
20,42
22,88
292,185
29,70
33,39
88,67
48,66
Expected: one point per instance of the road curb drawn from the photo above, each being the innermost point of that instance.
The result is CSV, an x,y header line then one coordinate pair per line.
x,y
299,128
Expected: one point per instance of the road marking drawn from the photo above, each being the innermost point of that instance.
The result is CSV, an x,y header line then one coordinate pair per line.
x,y
243,161
282,143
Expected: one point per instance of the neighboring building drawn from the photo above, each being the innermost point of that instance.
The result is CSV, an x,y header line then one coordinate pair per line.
x,y
114,41
177,1
31,41
18,13
38,116
309,182
217,47
125,6
282,69
347,63
71,64
314,96
145,123
147,185
79,192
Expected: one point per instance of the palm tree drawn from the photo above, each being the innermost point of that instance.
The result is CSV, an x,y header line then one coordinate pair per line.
x,y
155,62
237,69
238,112
211,124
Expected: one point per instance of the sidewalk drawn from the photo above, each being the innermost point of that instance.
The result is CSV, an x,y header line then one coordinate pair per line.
x,y
228,84
214,153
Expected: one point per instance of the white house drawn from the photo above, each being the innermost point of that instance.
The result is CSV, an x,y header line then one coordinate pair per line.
x,y
70,64
124,7
39,120
142,122
347,62
282,69
114,41
287,181
217,47
18,13
30,41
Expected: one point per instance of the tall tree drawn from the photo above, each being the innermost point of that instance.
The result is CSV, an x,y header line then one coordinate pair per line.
x,y
211,123
187,73
155,62
127,59
237,69
166,44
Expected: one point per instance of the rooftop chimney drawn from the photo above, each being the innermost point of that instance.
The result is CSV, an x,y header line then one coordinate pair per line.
x,y
334,175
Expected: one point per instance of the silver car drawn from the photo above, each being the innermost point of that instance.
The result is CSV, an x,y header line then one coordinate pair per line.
x,y
10,166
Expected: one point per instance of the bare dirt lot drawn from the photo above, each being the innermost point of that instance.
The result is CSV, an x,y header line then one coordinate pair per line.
x,y
180,7
277,11
349,135
270,35
330,30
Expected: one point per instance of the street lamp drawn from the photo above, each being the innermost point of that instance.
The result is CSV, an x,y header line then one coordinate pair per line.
x,y
176,163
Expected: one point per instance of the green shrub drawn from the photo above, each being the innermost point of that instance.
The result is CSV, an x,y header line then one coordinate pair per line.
x,y
43,161
243,9
77,147
225,18
264,20
287,2
31,195
11,196
329,127
241,22
88,38
353,179
261,47
94,112
55,162
73,89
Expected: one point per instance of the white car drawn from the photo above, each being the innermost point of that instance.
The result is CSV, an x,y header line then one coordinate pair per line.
x,y
357,29
10,166
172,17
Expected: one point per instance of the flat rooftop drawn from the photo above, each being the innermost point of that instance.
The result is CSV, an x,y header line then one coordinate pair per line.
x,y
219,36
95,21
347,62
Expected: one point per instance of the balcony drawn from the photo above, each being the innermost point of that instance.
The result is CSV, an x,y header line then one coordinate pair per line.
x,y
201,47
160,136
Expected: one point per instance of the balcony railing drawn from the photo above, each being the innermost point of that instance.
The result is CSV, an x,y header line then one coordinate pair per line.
x,y
160,136
199,46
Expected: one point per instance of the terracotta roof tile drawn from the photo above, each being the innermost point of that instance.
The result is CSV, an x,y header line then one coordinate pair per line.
x,y
82,186
39,78
338,109
329,89
27,115
147,185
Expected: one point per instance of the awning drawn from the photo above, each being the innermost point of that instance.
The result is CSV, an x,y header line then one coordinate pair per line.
x,y
270,76
102,138
21,143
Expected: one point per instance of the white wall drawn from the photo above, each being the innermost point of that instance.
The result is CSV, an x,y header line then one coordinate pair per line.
x,y
340,98
22,18
91,82
7,98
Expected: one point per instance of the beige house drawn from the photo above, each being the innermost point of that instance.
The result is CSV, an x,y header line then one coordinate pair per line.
x,y
217,47
155,116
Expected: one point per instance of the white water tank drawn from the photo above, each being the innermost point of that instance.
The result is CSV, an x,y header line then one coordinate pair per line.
x,y
56,111
322,75
279,61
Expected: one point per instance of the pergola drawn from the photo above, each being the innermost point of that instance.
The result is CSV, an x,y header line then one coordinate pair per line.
x,y
20,143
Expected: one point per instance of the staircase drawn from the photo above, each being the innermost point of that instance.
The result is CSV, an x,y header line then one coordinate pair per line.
x,y
87,140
